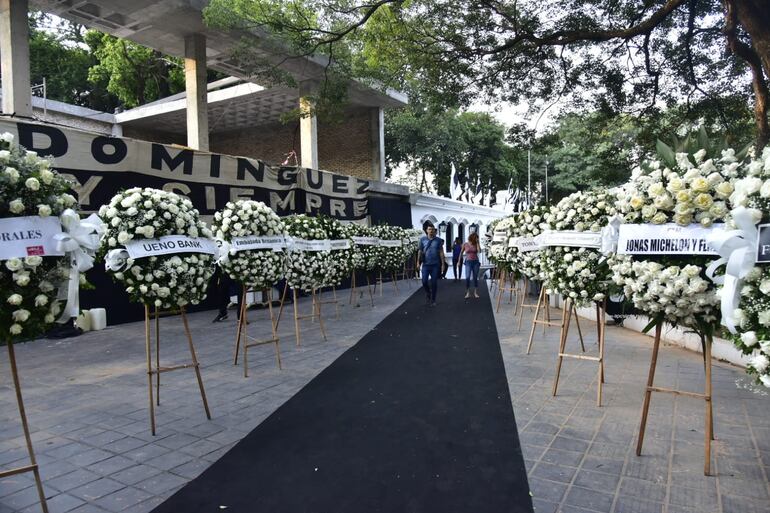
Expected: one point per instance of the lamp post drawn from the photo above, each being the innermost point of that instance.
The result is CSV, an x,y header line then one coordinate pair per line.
x,y
546,180
529,172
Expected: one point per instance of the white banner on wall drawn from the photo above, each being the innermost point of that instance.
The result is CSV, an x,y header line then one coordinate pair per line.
x,y
28,236
170,244
665,239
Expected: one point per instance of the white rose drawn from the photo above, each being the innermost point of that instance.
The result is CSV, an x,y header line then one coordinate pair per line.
x,y
33,261
749,338
20,315
764,318
15,299
724,190
43,210
16,206
764,191
32,184
765,379
12,173
15,329
46,175
41,300
759,362
14,264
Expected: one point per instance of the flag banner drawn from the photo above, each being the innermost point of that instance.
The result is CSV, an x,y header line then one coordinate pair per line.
x,y
101,166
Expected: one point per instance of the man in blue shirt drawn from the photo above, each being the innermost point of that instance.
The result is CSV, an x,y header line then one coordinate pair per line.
x,y
431,254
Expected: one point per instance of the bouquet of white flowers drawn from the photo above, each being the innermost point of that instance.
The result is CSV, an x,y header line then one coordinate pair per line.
x,y
258,267
499,253
580,273
28,284
344,254
749,321
308,267
687,189
526,225
390,258
163,280
367,255
411,238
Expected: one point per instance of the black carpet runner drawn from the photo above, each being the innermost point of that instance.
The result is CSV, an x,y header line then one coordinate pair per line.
x,y
416,417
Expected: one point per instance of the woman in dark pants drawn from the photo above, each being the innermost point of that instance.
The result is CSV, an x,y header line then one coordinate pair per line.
x,y
431,254
457,265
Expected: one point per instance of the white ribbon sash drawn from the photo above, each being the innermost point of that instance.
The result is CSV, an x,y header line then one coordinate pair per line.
x,y
366,241
29,236
170,244
390,243
513,242
339,244
525,244
665,239
570,238
737,249
308,245
79,242
274,242
500,236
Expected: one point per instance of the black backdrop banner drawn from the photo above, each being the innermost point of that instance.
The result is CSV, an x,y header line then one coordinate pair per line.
x,y
101,166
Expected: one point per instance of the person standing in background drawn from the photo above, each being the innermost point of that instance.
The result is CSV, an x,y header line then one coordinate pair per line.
x,y
457,265
471,249
431,256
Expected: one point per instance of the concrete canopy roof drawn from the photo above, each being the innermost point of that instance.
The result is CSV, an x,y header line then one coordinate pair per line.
x,y
164,24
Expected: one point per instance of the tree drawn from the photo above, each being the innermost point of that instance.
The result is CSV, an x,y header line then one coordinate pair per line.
x,y
134,73
428,142
59,57
622,55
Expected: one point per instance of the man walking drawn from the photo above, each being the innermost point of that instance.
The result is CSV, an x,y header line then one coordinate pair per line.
x,y
431,255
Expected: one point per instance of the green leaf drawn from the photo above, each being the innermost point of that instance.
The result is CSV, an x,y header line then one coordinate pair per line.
x,y
654,322
666,153
745,151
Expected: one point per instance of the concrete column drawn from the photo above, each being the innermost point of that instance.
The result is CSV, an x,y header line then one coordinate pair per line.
x,y
308,130
197,91
14,58
377,143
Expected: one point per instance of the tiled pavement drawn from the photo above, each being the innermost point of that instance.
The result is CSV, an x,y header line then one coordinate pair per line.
x,y
86,401
87,404
581,458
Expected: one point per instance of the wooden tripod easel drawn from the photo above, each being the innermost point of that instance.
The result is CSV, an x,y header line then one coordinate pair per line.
x,y
508,284
601,317
315,314
353,289
157,370
33,466
523,304
248,340
706,396
544,304
332,301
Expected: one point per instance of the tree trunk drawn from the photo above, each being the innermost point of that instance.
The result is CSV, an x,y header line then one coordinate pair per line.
x,y
754,17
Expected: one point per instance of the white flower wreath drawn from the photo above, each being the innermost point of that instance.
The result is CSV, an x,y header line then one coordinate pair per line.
x,y
367,255
306,270
685,189
28,285
256,268
579,273
165,281
752,312
389,258
343,259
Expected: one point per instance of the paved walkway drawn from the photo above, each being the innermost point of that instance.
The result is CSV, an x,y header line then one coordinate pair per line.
x,y
87,404
86,400
581,458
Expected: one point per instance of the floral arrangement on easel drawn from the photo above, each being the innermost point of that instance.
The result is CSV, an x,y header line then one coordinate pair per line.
x,y
581,274
30,284
306,270
389,258
343,259
257,268
527,224
746,297
163,281
684,189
